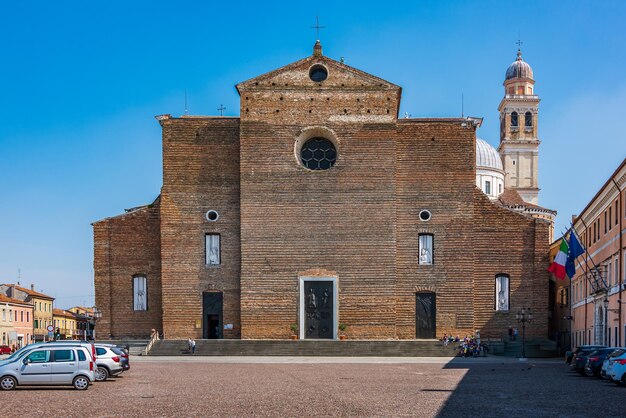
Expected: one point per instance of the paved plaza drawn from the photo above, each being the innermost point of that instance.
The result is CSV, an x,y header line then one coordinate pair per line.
x,y
247,386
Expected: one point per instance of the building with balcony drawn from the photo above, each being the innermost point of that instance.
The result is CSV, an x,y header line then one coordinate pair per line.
x,y
42,307
597,292
16,322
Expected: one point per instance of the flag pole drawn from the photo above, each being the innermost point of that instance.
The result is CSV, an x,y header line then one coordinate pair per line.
x,y
595,267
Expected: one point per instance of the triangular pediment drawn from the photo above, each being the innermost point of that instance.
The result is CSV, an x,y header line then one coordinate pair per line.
x,y
296,75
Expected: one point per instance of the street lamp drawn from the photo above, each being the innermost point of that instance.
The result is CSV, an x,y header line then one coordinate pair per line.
x,y
605,302
524,316
97,314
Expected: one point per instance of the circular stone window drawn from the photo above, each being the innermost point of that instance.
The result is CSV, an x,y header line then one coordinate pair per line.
x,y
318,154
318,73
212,215
425,215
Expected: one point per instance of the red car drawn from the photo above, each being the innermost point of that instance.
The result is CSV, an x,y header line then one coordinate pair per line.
x,y
5,349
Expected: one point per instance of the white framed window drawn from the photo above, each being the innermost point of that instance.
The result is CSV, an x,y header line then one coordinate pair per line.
x,y
212,249
425,249
140,293
502,293
487,187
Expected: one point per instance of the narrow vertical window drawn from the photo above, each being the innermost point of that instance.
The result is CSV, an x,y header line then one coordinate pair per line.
x,y
528,119
212,249
425,248
140,293
488,187
502,292
514,120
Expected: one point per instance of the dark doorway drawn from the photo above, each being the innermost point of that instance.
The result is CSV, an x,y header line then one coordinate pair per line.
x,y
425,315
212,305
318,309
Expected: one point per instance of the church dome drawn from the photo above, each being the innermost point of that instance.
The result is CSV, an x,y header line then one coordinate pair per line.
x,y
519,69
487,156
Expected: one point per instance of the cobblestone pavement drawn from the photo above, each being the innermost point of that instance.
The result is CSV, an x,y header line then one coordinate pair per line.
x,y
202,386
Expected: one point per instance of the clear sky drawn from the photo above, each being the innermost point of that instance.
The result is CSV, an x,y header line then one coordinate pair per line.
x,y
81,82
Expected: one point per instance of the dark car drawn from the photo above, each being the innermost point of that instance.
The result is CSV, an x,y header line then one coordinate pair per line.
x,y
580,359
569,355
124,358
595,360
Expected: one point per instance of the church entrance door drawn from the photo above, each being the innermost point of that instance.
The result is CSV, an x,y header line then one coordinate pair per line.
x,y
425,315
318,299
212,306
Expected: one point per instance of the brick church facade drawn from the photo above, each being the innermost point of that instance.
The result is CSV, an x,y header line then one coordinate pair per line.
x,y
318,206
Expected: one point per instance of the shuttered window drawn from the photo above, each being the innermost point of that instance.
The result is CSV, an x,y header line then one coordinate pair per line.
x,y
140,293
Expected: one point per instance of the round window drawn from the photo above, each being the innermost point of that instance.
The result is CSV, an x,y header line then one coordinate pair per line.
x,y
212,215
425,215
318,73
318,154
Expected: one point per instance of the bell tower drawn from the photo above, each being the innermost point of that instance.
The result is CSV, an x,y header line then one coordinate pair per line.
x,y
519,141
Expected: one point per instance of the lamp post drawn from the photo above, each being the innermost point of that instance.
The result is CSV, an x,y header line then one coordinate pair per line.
x,y
524,316
97,314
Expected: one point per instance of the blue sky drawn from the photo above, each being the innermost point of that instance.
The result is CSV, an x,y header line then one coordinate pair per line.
x,y
81,82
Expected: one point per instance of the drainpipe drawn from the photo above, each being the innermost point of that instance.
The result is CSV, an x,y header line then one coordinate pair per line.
x,y
621,260
586,280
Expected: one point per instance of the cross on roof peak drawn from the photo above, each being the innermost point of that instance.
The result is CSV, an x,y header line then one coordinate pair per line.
x,y
317,26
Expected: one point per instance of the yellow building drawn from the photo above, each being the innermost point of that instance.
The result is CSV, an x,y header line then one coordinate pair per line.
x,y
65,325
42,307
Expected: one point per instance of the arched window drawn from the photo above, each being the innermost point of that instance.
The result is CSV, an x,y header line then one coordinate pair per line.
x,y
514,119
502,292
528,119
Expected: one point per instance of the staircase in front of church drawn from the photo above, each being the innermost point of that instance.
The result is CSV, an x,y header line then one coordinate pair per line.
x,y
313,348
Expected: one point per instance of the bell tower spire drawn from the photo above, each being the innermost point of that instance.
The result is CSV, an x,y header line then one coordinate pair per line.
x,y
519,141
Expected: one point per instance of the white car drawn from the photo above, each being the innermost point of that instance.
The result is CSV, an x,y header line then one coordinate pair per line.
x,y
616,368
49,365
108,362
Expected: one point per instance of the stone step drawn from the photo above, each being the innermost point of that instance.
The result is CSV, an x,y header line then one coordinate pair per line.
x,y
304,348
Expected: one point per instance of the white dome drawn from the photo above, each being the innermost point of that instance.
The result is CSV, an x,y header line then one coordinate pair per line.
x,y
487,156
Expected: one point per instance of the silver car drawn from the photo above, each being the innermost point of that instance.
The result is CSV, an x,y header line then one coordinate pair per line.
x,y
49,365
108,362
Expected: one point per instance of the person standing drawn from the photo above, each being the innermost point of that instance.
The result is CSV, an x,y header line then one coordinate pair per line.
x,y
510,333
515,333
193,346
189,345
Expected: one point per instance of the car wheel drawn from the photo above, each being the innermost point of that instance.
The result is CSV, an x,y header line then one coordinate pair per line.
x,y
8,383
589,372
624,379
80,383
101,374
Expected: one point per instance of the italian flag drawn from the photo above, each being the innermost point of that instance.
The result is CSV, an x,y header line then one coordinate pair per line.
x,y
558,265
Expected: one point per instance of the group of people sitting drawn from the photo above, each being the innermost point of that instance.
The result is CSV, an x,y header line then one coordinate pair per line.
x,y
469,346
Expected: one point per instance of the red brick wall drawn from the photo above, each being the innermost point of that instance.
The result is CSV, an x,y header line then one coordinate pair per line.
x,y
435,171
200,172
123,246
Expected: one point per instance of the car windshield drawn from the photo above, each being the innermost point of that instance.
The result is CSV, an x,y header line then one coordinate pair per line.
x,y
617,352
20,352
117,351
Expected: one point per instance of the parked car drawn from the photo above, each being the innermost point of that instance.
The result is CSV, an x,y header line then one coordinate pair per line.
x,y
5,349
580,359
595,360
108,362
49,365
66,343
124,357
569,355
616,368
605,364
